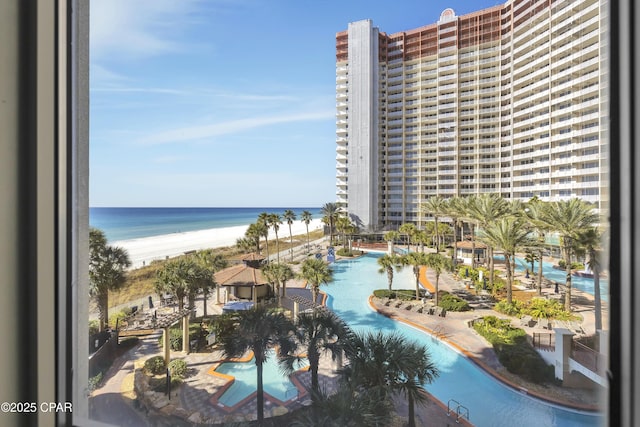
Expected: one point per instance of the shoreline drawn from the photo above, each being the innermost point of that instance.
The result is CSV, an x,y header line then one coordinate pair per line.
x,y
144,250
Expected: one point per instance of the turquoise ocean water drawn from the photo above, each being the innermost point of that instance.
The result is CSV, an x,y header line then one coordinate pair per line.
x,y
133,223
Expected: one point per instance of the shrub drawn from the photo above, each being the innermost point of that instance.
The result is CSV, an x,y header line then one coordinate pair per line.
x,y
94,325
521,359
116,318
513,309
94,382
154,365
178,368
513,350
451,302
402,294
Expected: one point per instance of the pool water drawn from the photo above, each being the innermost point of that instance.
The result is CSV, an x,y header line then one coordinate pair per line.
x,y
490,403
275,384
584,284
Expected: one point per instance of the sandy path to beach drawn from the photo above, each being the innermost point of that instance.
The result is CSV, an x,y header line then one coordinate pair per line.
x,y
144,250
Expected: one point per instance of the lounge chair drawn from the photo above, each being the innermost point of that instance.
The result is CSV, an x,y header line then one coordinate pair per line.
x,y
431,311
420,309
398,304
388,302
409,307
443,313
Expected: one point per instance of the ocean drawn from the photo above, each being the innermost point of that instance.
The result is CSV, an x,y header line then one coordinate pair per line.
x,y
133,223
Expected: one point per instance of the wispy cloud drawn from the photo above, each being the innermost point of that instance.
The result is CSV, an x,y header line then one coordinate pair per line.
x,y
140,28
233,126
141,90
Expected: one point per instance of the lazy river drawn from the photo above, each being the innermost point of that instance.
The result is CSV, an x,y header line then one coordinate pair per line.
x,y
490,402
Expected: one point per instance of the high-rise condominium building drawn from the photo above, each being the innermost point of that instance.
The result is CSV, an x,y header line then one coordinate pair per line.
x,y
509,100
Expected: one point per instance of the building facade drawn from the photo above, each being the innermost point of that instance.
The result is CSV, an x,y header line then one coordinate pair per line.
x,y
510,100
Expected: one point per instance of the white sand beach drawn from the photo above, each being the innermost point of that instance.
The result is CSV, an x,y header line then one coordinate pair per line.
x,y
144,250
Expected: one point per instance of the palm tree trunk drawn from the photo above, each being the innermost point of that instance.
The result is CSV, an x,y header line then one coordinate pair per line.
x,y
412,421
437,280
416,271
390,277
291,242
314,361
307,225
455,247
507,258
567,295
266,246
205,294
491,265
314,295
437,236
277,248
103,311
540,272
259,394
473,246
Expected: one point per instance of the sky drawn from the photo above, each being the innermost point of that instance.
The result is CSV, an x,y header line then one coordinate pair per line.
x,y
224,103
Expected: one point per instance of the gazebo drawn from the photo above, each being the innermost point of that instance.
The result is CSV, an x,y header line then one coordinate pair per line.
x,y
465,248
245,280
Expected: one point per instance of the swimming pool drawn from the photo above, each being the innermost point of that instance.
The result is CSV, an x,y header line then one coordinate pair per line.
x,y
274,382
490,403
584,284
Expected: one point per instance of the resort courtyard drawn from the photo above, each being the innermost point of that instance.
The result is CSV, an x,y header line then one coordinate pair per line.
x,y
196,400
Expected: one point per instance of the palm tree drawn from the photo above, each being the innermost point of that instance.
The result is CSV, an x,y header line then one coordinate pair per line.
x,y
306,217
274,222
454,210
278,274
262,226
381,364
344,226
591,242
258,330
436,206
509,234
107,272
421,238
438,264
318,332
183,277
391,236
254,232
213,263
289,216
486,210
416,260
330,213
534,212
408,229
316,272
569,218
387,263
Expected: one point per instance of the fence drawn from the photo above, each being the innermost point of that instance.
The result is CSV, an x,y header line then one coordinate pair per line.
x,y
588,357
544,341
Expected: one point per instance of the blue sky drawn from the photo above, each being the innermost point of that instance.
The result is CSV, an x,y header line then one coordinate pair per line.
x,y
224,102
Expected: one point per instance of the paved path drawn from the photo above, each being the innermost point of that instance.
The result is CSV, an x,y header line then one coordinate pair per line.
x,y
108,404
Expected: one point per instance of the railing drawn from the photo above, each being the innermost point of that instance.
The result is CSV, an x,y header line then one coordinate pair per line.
x,y
588,357
460,410
544,340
